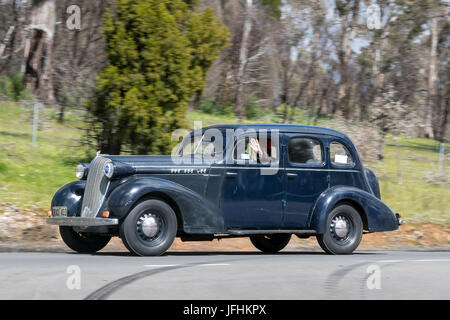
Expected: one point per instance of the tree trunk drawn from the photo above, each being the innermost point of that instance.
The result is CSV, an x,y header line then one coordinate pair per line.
x,y
431,79
7,40
39,51
318,22
444,121
243,60
380,45
61,114
378,74
348,35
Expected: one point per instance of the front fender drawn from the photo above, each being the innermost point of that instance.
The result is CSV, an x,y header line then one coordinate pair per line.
x,y
379,216
198,214
70,196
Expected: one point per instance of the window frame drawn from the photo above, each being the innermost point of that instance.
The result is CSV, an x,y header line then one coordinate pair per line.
x,y
306,165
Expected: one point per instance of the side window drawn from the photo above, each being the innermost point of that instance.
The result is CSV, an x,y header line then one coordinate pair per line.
x,y
305,150
340,155
256,150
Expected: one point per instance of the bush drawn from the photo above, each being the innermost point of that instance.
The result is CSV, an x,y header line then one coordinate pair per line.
x,y
252,109
5,86
210,106
294,115
13,87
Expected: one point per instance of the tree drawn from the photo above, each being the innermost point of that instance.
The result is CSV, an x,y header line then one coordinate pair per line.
x,y
78,51
317,21
241,72
443,93
158,53
12,29
349,12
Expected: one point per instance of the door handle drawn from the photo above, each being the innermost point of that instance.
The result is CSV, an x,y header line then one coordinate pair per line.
x,y
292,175
231,174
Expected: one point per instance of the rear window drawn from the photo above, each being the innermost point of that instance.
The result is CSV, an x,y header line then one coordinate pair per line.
x,y
340,155
305,150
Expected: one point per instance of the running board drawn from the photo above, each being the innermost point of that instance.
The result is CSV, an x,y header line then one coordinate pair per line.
x,y
271,231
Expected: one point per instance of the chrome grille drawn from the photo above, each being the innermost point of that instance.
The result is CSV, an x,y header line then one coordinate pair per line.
x,y
96,188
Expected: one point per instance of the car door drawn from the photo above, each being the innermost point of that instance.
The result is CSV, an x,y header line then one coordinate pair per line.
x,y
307,177
253,191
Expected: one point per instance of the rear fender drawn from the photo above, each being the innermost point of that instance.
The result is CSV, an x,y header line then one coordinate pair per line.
x,y
379,216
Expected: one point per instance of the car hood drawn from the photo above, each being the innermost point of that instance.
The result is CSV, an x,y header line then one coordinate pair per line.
x,y
139,161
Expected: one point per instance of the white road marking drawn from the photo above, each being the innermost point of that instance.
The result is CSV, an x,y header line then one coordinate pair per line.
x,y
417,260
431,260
160,265
174,265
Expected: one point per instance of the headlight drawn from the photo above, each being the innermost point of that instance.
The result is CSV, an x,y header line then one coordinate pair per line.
x,y
81,171
109,170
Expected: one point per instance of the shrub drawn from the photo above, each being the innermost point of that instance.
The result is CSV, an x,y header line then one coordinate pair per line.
x,y
210,106
13,87
5,86
293,115
252,108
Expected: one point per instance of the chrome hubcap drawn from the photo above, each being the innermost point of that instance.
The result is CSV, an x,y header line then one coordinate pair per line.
x,y
340,227
148,226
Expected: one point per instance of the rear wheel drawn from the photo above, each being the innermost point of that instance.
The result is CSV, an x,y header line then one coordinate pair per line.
x,y
149,229
83,242
270,243
343,231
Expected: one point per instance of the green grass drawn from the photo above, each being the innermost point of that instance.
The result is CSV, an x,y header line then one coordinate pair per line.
x,y
403,175
29,176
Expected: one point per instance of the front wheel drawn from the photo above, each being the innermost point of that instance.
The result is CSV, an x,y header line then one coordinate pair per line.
x,y
83,242
270,243
150,228
343,231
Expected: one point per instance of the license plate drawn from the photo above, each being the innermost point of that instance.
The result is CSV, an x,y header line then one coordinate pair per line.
x,y
59,212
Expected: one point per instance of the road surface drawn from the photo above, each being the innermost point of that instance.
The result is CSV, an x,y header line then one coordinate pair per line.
x,y
226,275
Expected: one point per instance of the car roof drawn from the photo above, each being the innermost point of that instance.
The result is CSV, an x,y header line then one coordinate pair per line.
x,y
292,128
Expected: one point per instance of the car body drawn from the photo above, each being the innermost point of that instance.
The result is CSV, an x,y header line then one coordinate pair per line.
x,y
293,186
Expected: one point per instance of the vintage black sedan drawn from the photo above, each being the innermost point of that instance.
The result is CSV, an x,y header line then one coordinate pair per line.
x,y
266,182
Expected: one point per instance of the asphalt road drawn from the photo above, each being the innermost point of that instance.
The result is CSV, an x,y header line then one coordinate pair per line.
x,y
226,275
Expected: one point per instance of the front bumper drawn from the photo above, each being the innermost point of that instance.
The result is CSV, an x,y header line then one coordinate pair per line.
x,y
82,222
